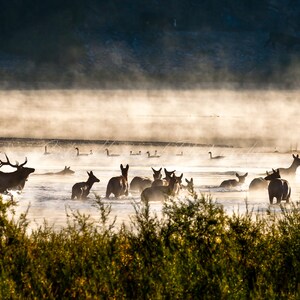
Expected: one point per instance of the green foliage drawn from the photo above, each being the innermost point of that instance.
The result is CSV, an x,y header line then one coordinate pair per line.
x,y
194,250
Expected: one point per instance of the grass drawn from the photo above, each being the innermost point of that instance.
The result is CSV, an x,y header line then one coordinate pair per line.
x,y
195,251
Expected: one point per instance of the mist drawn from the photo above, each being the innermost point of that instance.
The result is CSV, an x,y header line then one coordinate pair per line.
x,y
197,116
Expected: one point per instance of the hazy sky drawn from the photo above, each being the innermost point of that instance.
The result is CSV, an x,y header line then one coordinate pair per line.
x,y
191,116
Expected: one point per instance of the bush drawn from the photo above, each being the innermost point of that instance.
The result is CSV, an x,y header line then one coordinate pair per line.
x,y
194,251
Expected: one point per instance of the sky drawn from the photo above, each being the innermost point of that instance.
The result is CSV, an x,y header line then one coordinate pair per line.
x,y
197,116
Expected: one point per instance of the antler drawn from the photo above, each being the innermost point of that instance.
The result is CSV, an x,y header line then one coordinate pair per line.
x,y
21,165
7,162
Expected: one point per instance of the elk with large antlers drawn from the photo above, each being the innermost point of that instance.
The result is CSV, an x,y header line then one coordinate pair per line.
x,y
14,180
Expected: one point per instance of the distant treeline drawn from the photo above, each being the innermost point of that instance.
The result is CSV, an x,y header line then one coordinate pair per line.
x,y
143,15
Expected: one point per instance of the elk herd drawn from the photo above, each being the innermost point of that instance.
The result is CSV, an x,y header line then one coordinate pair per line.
x,y
157,188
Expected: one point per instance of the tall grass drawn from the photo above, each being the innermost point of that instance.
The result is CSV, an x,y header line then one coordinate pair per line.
x,y
195,251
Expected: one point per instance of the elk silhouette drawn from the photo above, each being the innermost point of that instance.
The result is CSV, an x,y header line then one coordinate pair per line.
x,y
118,185
164,181
291,170
139,183
161,193
80,190
230,183
111,154
65,171
258,183
278,188
190,186
14,180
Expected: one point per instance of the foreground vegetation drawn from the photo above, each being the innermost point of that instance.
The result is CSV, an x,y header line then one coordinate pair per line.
x,y
194,251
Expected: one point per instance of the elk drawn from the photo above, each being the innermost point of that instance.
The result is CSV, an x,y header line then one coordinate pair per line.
x,y
164,181
80,190
258,183
140,183
230,183
190,186
215,157
278,187
161,193
118,185
14,180
291,170
65,171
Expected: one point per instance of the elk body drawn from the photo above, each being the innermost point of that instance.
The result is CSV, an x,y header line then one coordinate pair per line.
x,y
258,184
140,183
230,183
65,171
160,193
278,188
291,170
118,185
14,180
80,190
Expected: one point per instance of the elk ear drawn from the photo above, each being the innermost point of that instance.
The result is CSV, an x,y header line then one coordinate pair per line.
x,y
181,176
246,174
267,172
192,180
236,174
186,180
273,170
127,166
294,156
121,166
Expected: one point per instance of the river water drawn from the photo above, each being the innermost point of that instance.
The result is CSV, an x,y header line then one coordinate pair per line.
x,y
49,196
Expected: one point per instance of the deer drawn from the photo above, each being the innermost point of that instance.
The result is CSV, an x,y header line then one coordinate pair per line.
x,y
291,170
110,154
118,185
230,183
161,193
14,180
190,185
65,171
164,181
80,190
258,183
140,183
215,157
278,188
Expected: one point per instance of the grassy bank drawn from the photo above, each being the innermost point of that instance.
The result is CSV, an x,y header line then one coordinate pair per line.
x,y
195,251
